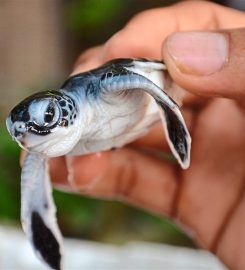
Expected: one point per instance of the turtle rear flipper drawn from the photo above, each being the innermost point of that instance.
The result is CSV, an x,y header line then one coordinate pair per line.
x,y
38,211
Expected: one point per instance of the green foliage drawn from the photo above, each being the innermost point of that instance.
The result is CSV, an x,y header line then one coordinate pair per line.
x,y
113,222
90,15
9,178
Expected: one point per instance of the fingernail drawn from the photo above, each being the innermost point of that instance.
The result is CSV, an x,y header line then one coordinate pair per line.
x,y
198,53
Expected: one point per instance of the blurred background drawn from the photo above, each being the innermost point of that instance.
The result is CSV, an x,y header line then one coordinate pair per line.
x,y
39,42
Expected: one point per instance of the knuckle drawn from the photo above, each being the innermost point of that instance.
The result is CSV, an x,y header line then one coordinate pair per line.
x,y
114,47
87,55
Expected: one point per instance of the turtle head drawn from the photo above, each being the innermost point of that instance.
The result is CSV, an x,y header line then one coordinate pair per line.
x,y
41,122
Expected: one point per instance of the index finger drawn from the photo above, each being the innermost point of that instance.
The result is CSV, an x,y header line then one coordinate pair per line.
x,y
145,33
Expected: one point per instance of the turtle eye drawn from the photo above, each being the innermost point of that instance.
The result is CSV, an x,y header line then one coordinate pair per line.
x,y
49,114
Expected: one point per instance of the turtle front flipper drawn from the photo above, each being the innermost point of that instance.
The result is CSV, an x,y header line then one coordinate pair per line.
x,y
135,76
38,211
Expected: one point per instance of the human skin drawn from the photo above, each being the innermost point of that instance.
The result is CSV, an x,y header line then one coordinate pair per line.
x,y
208,199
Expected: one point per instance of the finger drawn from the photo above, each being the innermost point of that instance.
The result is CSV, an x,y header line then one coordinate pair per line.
x,y
144,34
89,59
130,176
233,237
212,187
208,63
58,171
137,41
124,174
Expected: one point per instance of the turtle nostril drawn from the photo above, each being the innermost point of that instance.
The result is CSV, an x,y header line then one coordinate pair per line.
x,y
20,126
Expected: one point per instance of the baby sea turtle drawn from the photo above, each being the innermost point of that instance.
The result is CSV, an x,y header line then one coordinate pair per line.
x,y
97,110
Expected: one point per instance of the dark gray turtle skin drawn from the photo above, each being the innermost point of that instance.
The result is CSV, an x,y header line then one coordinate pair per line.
x,y
97,110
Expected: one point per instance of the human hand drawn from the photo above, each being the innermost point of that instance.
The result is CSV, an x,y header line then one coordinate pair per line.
x,y
208,199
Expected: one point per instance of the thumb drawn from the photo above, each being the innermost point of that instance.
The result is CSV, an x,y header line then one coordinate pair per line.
x,y
208,63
